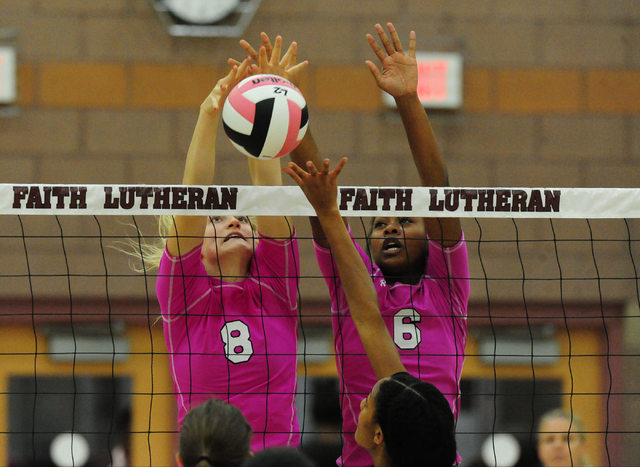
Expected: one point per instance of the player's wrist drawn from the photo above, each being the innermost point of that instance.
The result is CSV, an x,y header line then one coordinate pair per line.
x,y
408,96
208,110
328,214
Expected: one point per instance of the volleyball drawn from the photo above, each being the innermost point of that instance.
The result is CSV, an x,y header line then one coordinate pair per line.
x,y
265,116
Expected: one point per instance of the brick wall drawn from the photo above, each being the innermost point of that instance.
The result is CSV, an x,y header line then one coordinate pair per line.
x,y
551,92
551,98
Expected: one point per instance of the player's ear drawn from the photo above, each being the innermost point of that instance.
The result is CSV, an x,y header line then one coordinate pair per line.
x,y
178,460
378,436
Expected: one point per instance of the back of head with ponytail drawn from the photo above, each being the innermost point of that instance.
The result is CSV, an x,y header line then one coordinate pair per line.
x,y
416,422
214,434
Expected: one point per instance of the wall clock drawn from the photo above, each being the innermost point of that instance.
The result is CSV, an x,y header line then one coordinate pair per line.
x,y
201,11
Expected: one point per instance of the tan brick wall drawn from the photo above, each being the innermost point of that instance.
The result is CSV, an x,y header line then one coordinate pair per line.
x,y
79,85
614,92
539,91
551,98
551,90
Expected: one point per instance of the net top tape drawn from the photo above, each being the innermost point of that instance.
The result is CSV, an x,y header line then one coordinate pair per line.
x,y
355,201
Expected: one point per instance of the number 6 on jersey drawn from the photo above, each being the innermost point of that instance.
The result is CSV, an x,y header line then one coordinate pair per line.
x,y
406,334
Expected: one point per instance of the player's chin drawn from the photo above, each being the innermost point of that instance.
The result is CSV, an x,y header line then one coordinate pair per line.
x,y
237,246
393,266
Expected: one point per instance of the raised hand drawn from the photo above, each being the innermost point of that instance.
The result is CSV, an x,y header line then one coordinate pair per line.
x,y
215,100
319,186
398,74
267,58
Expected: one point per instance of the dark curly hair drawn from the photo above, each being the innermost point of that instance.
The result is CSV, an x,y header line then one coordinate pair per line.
x,y
215,433
416,421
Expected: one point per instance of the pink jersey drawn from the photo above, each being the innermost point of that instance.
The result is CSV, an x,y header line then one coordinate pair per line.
x,y
236,341
427,322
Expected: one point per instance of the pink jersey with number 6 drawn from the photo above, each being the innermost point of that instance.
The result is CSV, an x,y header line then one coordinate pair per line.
x,y
427,322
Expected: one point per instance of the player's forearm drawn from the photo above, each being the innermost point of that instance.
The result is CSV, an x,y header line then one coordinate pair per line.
x,y
198,170
307,150
362,298
268,173
356,282
429,163
265,172
200,162
380,348
422,141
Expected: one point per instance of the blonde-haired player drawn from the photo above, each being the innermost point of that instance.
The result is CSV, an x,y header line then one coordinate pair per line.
x,y
228,295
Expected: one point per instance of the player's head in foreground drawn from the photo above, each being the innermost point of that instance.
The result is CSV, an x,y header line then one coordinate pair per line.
x,y
214,433
409,421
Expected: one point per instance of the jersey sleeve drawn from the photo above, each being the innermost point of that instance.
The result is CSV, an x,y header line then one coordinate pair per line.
x,y
329,271
276,263
183,285
449,267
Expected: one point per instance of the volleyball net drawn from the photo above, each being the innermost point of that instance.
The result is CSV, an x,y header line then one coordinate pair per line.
x,y
552,318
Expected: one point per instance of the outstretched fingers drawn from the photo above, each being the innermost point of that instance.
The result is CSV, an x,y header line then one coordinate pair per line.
x,y
290,58
374,70
249,49
375,47
325,170
266,42
274,56
299,175
395,38
312,169
386,43
242,67
338,168
295,172
390,46
235,74
294,70
412,44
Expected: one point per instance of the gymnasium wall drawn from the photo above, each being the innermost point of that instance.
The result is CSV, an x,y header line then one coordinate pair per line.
x,y
551,95
552,89
551,98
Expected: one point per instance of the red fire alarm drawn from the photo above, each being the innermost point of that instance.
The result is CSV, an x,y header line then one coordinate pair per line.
x,y
439,80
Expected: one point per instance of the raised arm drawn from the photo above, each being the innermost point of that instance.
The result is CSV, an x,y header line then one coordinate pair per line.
x,y
268,60
398,75
268,173
320,188
307,151
288,68
199,167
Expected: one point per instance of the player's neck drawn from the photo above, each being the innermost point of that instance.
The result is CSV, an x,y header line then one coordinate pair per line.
x,y
380,457
409,280
229,269
410,277
410,274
